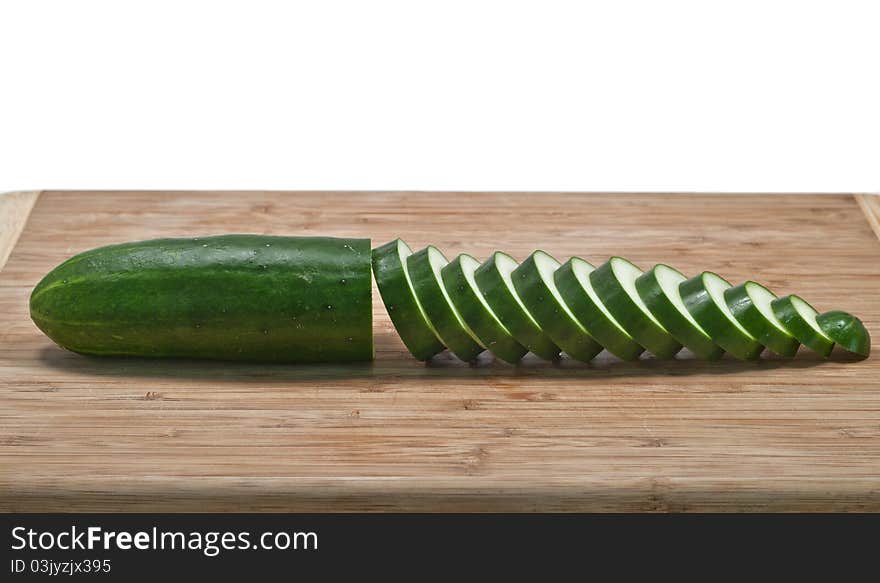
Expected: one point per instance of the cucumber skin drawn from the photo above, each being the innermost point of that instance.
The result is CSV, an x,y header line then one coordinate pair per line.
x,y
701,306
847,331
655,339
591,316
229,297
794,323
677,325
751,318
401,304
561,328
508,310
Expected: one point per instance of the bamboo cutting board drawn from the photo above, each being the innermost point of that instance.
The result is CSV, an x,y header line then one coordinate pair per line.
x,y
80,433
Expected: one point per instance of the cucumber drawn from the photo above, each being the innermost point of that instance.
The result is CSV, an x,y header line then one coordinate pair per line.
x,y
799,318
425,269
573,283
846,330
458,279
494,281
703,296
229,297
407,315
658,289
615,285
749,302
535,285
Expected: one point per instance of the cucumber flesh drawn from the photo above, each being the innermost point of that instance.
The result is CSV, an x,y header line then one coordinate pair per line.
x,y
495,282
799,318
407,315
846,330
750,302
535,285
573,282
458,279
615,285
659,290
703,296
425,269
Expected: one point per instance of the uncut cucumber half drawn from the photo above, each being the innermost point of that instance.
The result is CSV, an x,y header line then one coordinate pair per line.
x,y
658,289
228,297
799,318
573,283
458,278
495,282
399,297
615,285
846,330
749,302
425,269
536,286
703,296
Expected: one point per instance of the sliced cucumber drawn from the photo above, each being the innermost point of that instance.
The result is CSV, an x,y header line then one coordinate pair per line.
x,y
847,330
534,283
458,279
615,285
658,289
425,272
494,280
407,315
749,302
703,296
573,283
799,318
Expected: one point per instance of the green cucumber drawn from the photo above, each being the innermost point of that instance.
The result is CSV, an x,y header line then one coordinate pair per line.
x,y
395,287
799,318
458,279
658,289
846,330
229,297
535,285
425,269
703,296
749,302
573,282
494,281
615,285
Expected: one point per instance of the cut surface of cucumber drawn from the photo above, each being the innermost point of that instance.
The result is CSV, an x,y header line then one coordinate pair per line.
x,y
458,279
494,281
703,296
535,285
658,289
799,318
425,269
615,284
401,303
846,330
749,302
573,282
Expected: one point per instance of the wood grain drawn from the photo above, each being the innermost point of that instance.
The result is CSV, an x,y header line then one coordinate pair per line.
x,y
81,433
15,207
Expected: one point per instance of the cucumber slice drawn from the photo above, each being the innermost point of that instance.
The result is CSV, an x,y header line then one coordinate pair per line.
x,y
749,302
425,272
494,280
573,283
658,288
534,282
799,318
399,297
615,285
847,330
703,296
458,279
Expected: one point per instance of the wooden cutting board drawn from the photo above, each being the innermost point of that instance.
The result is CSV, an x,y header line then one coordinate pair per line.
x,y
80,433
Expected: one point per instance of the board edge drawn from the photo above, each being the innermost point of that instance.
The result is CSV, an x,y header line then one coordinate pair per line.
x,y
870,205
15,208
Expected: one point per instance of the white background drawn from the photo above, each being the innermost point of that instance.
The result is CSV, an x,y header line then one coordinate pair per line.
x,y
625,95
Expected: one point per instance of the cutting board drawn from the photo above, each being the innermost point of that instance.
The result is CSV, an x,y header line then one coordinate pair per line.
x,y
80,433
